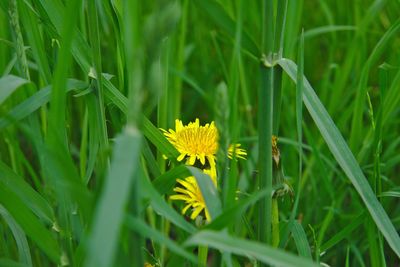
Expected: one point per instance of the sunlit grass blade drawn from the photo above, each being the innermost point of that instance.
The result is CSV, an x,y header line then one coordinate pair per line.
x,y
261,252
345,158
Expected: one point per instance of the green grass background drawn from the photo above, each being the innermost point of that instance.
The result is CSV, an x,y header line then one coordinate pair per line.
x,y
85,85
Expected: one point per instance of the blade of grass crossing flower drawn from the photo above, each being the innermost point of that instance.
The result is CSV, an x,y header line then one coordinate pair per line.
x,y
243,247
19,236
165,182
209,192
146,231
345,158
162,207
119,180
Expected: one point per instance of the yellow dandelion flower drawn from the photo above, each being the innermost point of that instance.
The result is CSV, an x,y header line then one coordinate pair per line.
x,y
194,141
239,152
191,194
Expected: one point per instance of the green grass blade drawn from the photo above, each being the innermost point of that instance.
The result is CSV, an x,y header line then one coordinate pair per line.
x,y
163,208
234,213
216,12
121,175
36,203
243,247
344,233
57,130
327,29
19,236
34,102
300,238
209,192
9,84
146,231
165,182
345,158
32,227
379,49
265,124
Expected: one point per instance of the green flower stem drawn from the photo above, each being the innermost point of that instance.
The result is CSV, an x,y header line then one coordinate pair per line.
x,y
275,222
202,256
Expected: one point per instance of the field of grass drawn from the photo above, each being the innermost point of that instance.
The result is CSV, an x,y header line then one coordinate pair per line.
x,y
120,125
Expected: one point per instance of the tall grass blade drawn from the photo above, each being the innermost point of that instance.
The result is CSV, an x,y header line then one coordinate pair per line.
x,y
109,214
345,158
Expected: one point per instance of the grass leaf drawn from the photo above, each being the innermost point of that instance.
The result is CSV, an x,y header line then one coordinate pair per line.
x,y
263,253
345,158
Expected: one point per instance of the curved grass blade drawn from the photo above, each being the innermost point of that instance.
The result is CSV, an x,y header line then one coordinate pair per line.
x,y
162,207
36,203
344,233
233,214
9,84
165,182
34,102
327,29
243,247
30,224
344,157
19,236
